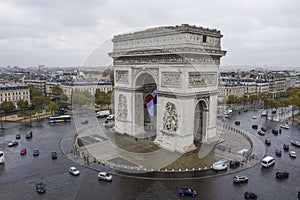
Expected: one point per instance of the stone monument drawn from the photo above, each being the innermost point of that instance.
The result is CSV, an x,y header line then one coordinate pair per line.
x,y
179,62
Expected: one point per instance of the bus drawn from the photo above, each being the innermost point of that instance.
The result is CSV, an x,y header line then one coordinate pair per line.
x,y
1,157
61,118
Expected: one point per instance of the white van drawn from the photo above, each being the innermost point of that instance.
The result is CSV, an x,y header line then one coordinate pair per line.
x,y
268,161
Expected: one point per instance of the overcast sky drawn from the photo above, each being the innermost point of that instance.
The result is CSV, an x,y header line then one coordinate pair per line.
x,y
64,33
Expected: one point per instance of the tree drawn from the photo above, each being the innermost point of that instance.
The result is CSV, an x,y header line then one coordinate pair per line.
x,y
57,92
34,92
23,106
7,107
39,104
53,106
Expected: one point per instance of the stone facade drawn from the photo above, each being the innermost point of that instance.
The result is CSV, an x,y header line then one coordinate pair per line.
x,y
181,63
14,93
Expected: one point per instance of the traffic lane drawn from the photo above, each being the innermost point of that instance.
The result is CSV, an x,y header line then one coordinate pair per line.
x,y
46,138
119,188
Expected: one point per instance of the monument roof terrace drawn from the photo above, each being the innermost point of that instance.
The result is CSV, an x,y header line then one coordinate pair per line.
x,y
167,30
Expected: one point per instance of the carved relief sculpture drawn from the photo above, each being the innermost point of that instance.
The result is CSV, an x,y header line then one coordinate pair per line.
x,y
201,80
122,76
171,79
170,119
122,107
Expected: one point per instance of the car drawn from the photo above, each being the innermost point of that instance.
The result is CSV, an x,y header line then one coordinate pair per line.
x,y
263,129
295,143
85,122
23,151
53,155
237,123
240,179
261,132
275,131
278,152
254,126
219,167
285,126
104,176
40,187
298,194
282,174
286,147
35,152
110,125
18,136
187,192
234,164
74,171
253,117
110,117
267,142
293,154
250,195
29,135
13,143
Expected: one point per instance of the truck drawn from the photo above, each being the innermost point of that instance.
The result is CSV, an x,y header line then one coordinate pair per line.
x,y
102,113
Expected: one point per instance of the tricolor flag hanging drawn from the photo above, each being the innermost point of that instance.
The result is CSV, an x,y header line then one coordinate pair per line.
x,y
151,101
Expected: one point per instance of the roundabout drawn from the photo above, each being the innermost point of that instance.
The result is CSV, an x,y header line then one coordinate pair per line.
x,y
100,148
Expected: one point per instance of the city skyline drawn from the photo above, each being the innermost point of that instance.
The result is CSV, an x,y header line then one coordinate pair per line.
x,y
260,34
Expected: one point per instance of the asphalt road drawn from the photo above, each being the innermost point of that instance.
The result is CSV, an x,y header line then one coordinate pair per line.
x,y
20,173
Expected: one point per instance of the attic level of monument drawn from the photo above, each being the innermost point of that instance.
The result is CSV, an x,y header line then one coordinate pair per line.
x,y
166,30
170,39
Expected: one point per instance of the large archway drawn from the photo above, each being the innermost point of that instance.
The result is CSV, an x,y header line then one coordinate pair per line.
x,y
146,85
200,121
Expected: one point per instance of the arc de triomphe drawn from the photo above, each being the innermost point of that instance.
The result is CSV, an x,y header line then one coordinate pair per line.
x,y
179,62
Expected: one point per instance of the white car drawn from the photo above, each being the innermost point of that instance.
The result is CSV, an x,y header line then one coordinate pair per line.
x,y
293,154
104,176
220,167
74,171
285,126
240,179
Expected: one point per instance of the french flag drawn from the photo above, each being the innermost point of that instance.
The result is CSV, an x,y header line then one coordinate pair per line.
x,y
151,101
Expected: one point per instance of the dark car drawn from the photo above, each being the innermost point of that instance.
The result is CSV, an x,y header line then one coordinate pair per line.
x,y
286,147
275,131
295,143
250,195
282,174
187,192
18,136
278,152
254,126
267,142
29,135
13,143
263,129
40,187
298,194
234,164
36,152
237,123
53,155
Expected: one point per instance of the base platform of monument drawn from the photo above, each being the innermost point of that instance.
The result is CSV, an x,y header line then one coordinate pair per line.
x,y
129,154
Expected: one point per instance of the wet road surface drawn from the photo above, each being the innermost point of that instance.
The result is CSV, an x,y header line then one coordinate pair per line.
x,y
20,173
